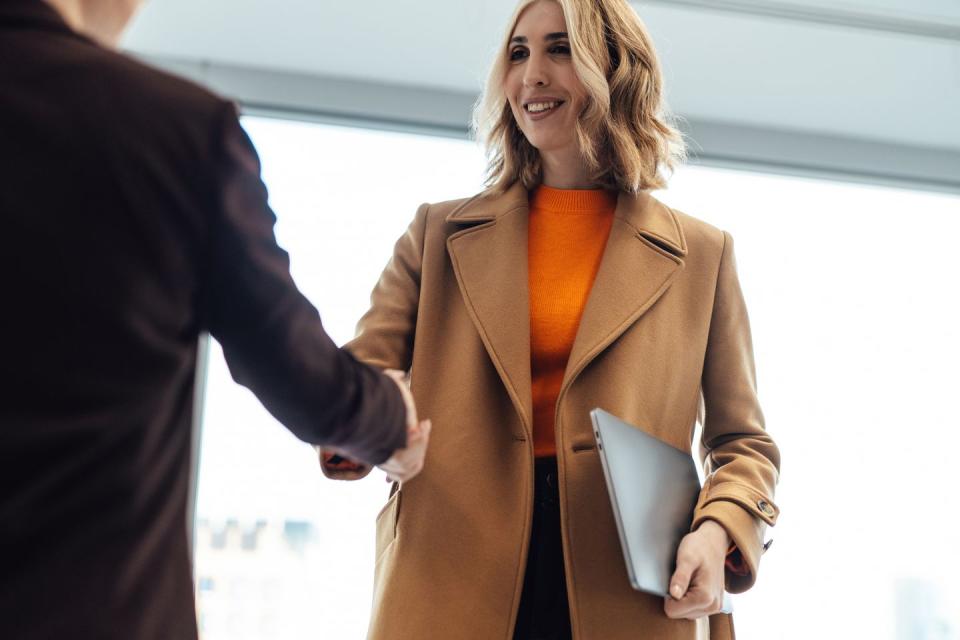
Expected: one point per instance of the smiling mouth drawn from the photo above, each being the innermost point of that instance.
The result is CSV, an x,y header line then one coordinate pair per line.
x,y
542,107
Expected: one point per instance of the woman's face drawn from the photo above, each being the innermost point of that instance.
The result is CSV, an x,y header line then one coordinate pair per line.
x,y
543,90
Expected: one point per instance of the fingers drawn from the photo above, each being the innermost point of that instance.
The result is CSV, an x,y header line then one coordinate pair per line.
x,y
420,430
419,450
696,604
414,433
406,463
680,581
695,590
400,378
396,374
697,600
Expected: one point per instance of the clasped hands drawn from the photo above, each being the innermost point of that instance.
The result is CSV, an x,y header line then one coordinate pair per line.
x,y
697,584
406,463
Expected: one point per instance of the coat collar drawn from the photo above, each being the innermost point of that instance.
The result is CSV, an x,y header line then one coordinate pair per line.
x,y
643,255
651,218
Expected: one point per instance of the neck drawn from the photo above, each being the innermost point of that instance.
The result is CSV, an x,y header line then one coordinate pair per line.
x,y
101,21
565,170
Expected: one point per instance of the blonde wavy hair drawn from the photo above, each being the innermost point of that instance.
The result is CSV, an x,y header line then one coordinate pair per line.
x,y
625,131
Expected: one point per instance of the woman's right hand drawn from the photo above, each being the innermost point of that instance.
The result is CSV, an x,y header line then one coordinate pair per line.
x,y
406,463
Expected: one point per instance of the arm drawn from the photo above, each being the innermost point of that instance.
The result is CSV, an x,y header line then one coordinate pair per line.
x,y
385,334
272,337
741,463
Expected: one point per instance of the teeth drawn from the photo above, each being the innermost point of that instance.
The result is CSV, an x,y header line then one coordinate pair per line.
x,y
537,107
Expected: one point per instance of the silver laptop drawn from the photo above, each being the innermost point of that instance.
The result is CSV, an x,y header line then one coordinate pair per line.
x,y
653,490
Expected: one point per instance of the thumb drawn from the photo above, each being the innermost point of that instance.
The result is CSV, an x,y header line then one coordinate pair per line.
x,y
396,374
680,581
414,431
418,434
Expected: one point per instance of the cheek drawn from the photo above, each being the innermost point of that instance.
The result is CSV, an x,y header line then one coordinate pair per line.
x,y
514,111
578,93
510,86
510,93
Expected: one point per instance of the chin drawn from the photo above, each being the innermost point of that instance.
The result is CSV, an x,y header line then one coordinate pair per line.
x,y
549,144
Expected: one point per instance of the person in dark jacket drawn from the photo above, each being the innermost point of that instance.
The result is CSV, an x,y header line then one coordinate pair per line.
x,y
133,219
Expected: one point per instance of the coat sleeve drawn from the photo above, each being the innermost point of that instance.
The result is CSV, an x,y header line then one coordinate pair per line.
x,y
272,337
385,333
741,461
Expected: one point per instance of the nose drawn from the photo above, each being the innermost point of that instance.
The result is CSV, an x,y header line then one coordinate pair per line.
x,y
535,73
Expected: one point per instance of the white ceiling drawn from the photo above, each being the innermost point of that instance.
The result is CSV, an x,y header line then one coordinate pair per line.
x,y
921,9
720,66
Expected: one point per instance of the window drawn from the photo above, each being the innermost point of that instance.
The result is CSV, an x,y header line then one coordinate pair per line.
x,y
852,295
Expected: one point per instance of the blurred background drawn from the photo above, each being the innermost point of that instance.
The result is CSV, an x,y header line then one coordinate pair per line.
x,y
825,136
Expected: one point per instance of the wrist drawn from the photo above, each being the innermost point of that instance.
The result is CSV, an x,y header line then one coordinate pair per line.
x,y
716,533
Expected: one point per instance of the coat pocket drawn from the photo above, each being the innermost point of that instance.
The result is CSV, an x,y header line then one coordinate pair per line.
x,y
387,521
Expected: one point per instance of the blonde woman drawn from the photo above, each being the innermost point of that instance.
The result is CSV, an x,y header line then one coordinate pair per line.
x,y
562,287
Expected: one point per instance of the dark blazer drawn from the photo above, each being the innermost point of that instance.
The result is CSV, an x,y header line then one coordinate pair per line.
x,y
133,218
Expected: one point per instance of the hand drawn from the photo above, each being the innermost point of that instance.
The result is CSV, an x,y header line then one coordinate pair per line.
x,y
696,588
406,463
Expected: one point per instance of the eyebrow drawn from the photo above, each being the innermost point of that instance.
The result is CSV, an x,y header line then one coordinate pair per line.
x,y
550,37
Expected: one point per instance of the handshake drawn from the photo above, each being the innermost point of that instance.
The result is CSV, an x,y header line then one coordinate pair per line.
x,y
405,463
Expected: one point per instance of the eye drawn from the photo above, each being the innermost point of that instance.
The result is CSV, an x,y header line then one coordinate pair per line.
x,y
518,53
560,49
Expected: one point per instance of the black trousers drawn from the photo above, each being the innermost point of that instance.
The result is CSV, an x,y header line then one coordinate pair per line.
x,y
544,612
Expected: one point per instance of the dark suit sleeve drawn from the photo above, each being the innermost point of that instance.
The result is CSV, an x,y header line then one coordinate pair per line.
x,y
272,337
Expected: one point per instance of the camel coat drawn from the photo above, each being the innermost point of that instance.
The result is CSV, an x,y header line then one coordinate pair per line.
x,y
664,340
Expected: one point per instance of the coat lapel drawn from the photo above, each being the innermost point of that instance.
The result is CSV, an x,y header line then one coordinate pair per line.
x,y
489,259
643,256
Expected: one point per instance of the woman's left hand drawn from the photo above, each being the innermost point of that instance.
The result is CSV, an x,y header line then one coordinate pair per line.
x,y
696,588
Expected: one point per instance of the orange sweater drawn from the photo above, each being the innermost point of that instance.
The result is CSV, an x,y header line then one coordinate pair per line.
x,y
568,233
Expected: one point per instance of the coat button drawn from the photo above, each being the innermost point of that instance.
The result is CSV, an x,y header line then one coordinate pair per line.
x,y
765,507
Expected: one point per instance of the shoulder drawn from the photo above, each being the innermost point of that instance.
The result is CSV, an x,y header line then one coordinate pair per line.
x,y
447,216
154,118
161,98
441,211
702,239
113,98
140,82
482,207
87,79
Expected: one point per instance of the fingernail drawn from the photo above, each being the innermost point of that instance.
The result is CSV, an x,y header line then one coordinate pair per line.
x,y
677,591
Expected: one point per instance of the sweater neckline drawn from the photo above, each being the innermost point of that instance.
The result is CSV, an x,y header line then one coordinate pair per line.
x,y
596,201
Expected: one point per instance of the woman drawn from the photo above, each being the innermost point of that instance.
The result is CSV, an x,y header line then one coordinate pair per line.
x,y
563,287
